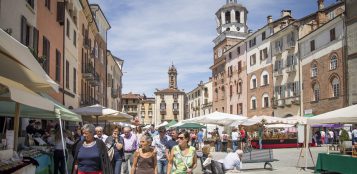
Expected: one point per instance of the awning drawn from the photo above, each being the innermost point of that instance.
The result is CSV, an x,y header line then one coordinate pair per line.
x,y
19,65
11,92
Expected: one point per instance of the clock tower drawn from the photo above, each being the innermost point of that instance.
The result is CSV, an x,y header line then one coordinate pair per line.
x,y
232,28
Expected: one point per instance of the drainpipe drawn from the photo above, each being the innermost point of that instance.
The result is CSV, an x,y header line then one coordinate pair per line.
x,y
106,70
63,53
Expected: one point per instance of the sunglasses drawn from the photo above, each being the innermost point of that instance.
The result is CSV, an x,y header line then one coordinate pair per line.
x,y
181,138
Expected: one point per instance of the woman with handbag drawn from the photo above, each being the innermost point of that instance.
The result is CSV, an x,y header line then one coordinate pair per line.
x,y
183,158
115,149
145,161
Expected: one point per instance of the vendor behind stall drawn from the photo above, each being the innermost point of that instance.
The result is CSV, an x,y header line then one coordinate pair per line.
x,y
30,129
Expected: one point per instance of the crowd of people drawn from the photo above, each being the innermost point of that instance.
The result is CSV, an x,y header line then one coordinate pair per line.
x,y
124,150
332,136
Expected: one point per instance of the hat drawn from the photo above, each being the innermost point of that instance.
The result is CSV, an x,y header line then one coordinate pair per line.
x,y
239,152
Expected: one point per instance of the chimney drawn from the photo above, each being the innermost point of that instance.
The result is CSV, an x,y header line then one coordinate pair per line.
x,y
269,19
285,13
320,4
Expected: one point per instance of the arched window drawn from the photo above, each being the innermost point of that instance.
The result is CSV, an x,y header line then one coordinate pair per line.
x,y
228,17
333,62
253,103
238,17
335,87
316,92
253,82
265,101
314,70
264,78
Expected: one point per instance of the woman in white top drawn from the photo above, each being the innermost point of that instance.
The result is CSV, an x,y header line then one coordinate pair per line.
x,y
58,156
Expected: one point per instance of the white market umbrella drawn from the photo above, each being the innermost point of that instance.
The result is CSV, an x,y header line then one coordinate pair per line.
x,y
162,124
279,126
258,119
343,115
95,110
216,118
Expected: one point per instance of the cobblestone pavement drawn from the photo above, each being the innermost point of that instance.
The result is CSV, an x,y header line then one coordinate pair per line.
x,y
287,163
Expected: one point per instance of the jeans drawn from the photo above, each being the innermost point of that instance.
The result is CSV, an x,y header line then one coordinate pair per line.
x,y
234,145
117,166
224,146
59,162
260,143
128,158
162,166
218,146
354,140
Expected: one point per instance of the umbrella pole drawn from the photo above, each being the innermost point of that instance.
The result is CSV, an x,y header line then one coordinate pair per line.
x,y
63,145
16,124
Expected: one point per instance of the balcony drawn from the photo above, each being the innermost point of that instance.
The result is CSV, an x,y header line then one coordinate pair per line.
x,y
278,51
278,73
291,45
88,101
296,100
175,111
115,93
288,101
86,43
291,68
87,72
163,112
95,81
279,102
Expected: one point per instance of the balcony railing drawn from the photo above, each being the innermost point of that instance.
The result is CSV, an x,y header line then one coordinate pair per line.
x,y
291,45
291,68
162,112
87,100
175,111
95,81
278,73
86,43
87,72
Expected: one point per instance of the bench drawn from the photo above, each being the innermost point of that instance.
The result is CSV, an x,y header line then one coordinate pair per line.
x,y
259,156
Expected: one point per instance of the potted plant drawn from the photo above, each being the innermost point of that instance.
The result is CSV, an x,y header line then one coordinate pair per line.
x,y
345,143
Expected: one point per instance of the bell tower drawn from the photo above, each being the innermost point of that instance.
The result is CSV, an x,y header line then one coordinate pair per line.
x,y
172,77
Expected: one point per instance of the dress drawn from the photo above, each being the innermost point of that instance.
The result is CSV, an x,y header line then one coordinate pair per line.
x,y
180,161
145,165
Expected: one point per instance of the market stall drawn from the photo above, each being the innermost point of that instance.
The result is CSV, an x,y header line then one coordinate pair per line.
x,y
324,161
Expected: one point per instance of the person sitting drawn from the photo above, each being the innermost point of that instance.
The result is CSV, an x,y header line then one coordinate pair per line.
x,y
233,160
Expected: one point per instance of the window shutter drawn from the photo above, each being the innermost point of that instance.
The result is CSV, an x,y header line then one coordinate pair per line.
x,y
23,29
35,40
283,91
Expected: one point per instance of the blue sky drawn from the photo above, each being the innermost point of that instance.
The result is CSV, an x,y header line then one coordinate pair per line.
x,y
151,34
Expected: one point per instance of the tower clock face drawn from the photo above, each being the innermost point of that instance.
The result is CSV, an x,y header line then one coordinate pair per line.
x,y
219,52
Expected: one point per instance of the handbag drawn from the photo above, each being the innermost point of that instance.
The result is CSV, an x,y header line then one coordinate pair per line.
x,y
111,152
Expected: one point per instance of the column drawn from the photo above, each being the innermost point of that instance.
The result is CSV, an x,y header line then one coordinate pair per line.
x,y
223,18
233,16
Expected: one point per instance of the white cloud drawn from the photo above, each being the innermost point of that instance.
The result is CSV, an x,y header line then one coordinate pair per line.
x,y
150,35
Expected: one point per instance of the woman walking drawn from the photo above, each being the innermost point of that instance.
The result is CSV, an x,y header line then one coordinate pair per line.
x,y
116,142
145,161
182,156
91,155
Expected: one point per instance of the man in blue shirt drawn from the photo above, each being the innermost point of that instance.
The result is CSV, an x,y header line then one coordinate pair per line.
x,y
200,139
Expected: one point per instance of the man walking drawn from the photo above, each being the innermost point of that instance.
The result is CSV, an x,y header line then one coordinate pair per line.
x,y
354,136
130,146
159,142
99,134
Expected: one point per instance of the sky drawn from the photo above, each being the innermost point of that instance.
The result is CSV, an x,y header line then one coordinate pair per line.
x,y
150,35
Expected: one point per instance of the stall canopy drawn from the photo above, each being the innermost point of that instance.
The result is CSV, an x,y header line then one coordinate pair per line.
x,y
187,125
162,124
117,117
217,118
19,65
95,110
278,126
344,115
172,122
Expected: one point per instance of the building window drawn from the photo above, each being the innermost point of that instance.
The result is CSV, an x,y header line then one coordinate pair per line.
x,y
263,36
264,54
266,102
333,62
253,103
253,60
314,70
252,42
228,17
239,87
239,67
67,74
46,54
67,28
253,82
332,34
240,108
31,3
312,45
237,16
48,4
74,38
265,80
238,50
316,92
74,80
230,55
25,38
231,109
335,87
58,66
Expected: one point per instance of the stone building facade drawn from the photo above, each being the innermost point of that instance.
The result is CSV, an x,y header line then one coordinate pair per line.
x,y
323,67
147,110
200,100
351,40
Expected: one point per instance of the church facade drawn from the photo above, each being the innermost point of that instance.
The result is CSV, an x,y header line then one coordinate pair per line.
x,y
169,102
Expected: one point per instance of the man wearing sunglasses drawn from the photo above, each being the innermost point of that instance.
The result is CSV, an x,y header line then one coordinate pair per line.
x,y
159,143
